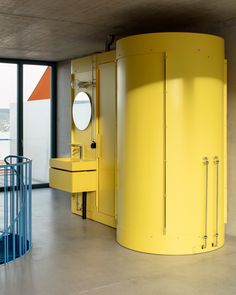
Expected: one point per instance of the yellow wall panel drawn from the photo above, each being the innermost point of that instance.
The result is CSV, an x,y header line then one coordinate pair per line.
x,y
101,70
107,131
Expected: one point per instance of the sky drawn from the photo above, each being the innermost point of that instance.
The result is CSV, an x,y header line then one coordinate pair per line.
x,y
8,84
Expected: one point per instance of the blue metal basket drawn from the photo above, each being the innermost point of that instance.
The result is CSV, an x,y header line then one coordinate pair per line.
x,y
15,208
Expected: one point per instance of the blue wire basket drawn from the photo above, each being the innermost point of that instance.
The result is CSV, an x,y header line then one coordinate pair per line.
x,y
15,208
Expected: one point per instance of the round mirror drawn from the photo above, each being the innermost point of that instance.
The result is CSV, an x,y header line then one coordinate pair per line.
x,y
82,110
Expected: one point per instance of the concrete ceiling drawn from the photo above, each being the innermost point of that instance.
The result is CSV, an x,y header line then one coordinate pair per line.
x,y
61,29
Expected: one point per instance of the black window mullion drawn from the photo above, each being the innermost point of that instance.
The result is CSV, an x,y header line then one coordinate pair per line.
x,y
53,111
20,109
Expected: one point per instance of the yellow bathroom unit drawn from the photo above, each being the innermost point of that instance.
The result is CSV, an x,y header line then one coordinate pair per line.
x,y
171,143
152,159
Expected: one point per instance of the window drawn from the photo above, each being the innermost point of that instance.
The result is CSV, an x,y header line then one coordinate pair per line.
x,y
28,114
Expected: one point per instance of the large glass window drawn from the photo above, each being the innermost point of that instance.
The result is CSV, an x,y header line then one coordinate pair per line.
x,y
28,114
37,111
8,99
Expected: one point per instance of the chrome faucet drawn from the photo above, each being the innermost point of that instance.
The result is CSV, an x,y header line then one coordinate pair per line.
x,y
77,148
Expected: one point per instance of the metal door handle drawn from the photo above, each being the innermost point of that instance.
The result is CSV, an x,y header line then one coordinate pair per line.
x,y
217,162
206,163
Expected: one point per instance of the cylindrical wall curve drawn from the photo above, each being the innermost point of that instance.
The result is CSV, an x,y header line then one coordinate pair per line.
x,y
171,143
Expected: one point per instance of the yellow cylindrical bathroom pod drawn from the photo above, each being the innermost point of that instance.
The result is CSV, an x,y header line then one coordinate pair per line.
x,y
171,143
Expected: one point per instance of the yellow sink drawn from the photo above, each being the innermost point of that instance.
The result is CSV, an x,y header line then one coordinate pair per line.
x,y
73,176
70,164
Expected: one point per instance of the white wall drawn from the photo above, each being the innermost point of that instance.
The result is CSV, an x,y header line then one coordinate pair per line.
x,y
63,109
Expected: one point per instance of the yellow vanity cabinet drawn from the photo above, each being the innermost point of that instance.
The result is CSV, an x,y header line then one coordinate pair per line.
x,y
73,176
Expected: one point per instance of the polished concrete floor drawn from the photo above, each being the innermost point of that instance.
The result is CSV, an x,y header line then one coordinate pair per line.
x,y
72,256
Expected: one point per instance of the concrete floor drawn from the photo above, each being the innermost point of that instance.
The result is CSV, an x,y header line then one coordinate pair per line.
x,y
71,256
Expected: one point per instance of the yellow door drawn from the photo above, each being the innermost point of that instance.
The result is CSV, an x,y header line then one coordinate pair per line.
x,y
107,133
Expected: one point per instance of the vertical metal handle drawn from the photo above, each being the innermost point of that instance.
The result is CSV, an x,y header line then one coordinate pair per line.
x,y
206,163
216,162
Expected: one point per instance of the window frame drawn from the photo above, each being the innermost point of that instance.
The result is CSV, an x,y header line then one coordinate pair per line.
x,y
20,110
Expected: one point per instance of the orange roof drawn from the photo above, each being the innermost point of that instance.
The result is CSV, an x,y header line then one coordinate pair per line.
x,y
43,88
